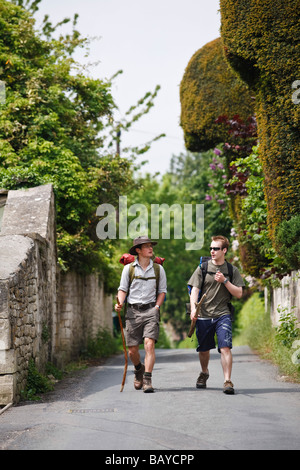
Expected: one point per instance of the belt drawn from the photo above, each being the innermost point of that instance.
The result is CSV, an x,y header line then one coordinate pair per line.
x,y
142,307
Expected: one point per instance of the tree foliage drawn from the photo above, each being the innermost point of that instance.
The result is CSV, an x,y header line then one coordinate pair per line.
x,y
56,126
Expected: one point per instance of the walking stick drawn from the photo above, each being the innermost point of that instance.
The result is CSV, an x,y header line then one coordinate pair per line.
x,y
124,347
193,322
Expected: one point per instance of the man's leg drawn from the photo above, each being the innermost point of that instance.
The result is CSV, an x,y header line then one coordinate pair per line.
x,y
204,374
226,361
150,334
224,335
204,360
149,345
134,356
205,332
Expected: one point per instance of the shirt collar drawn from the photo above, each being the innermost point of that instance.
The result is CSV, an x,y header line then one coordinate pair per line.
x,y
136,263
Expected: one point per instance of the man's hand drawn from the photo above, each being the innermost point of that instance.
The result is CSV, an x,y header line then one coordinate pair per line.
x,y
234,290
194,315
118,307
219,277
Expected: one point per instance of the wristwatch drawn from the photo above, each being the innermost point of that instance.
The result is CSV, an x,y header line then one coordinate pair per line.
x,y
226,280
157,306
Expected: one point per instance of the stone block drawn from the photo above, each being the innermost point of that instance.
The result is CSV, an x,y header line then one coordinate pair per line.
x,y
7,389
28,211
5,334
8,362
4,296
14,250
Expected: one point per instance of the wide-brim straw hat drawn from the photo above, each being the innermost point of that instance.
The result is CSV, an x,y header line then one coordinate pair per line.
x,y
140,241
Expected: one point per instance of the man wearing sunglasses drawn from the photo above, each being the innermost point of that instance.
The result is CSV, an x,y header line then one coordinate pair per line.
x,y
215,315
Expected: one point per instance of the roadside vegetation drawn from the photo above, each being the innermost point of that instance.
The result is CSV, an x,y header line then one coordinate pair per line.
x,y
280,345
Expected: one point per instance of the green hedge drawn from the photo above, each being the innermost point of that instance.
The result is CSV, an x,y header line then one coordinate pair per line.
x,y
209,89
261,43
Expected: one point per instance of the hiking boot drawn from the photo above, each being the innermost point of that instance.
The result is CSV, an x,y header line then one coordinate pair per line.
x,y
228,387
201,381
138,377
147,386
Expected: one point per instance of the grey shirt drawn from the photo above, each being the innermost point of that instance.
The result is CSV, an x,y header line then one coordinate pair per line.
x,y
141,291
217,295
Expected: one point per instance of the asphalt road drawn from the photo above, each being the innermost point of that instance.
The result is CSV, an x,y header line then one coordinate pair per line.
x,y
88,412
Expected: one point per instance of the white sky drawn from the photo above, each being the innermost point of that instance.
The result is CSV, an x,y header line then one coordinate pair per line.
x,y
152,42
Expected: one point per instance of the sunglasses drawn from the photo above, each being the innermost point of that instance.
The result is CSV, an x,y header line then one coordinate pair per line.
x,y
215,248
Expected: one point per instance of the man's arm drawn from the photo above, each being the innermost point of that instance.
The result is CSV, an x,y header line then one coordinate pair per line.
x,y
123,288
162,287
160,298
194,299
234,290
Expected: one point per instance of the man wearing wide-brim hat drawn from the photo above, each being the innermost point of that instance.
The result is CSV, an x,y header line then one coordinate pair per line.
x,y
145,286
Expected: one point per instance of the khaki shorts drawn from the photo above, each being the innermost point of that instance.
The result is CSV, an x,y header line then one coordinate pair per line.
x,y
140,325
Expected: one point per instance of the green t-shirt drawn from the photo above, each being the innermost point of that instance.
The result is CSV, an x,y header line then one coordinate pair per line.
x,y
217,294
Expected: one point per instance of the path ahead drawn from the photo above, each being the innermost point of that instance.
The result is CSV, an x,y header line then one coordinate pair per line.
x,y
88,411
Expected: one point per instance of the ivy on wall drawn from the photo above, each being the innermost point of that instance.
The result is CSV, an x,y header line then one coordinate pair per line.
x,y
261,43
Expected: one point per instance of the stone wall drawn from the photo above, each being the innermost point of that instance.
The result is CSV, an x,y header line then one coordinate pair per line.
x,y
24,313
44,315
83,309
286,296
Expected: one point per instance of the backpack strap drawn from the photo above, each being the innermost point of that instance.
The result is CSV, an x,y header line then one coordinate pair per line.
x,y
157,274
203,267
230,271
132,275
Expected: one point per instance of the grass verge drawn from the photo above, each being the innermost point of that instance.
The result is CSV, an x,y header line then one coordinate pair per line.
x,y
254,328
